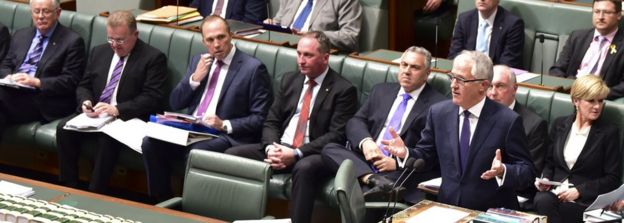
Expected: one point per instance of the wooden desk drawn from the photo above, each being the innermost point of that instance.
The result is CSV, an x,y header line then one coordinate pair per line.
x,y
388,56
105,204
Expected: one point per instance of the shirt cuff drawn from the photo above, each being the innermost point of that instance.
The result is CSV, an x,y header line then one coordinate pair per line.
x,y
194,84
298,153
400,161
500,180
363,141
228,126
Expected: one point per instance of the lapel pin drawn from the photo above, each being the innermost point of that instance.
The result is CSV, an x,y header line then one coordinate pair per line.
x,y
327,89
613,49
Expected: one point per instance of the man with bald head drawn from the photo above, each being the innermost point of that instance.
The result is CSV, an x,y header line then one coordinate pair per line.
x,y
49,59
225,88
125,79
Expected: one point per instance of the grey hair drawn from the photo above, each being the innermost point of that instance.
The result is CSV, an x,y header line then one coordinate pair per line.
x,y
122,18
57,3
481,64
501,68
421,51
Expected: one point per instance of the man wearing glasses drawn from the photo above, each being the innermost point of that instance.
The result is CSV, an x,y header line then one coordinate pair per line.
x,y
48,60
479,144
596,51
125,79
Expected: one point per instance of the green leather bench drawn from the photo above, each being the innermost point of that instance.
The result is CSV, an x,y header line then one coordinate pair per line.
x,y
180,45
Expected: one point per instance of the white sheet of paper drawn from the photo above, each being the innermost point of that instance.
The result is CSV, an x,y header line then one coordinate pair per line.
x,y
9,83
83,122
130,133
607,199
439,215
7,187
167,133
525,76
285,220
435,182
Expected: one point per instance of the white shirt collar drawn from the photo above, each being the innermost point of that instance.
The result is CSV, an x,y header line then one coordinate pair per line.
x,y
319,79
512,105
475,109
489,20
228,59
414,94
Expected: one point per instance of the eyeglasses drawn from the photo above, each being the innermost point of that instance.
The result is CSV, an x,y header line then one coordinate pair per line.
x,y
605,12
45,12
461,80
116,41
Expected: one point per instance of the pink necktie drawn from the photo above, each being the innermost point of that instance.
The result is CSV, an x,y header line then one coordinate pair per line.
x,y
203,106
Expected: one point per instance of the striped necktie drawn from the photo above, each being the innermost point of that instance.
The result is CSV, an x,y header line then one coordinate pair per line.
x,y
107,93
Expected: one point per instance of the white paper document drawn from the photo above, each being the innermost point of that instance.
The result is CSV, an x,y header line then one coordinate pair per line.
x,y
7,187
85,123
286,220
547,182
9,83
439,215
604,200
175,135
599,216
525,76
130,133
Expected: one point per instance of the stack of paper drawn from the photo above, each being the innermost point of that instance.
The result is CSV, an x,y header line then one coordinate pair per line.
x,y
85,123
171,13
15,189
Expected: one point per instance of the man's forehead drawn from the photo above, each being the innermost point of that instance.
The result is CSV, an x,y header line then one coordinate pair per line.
x,y
412,58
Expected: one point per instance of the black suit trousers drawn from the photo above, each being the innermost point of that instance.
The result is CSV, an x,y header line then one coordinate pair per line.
x,y
309,174
17,106
547,203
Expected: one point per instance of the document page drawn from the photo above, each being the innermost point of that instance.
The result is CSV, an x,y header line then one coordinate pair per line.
x,y
85,123
439,215
130,133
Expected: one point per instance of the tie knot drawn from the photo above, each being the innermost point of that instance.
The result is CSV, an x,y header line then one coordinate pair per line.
x,y
466,114
406,97
42,37
311,83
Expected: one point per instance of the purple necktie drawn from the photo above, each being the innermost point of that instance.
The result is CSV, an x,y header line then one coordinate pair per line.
x,y
211,88
107,93
34,56
395,121
464,140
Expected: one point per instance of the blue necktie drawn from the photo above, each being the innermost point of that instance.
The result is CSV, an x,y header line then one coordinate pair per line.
x,y
107,93
482,38
30,63
464,140
298,24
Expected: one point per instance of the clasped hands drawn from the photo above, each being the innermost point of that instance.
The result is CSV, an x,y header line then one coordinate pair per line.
x,y
396,147
280,156
25,79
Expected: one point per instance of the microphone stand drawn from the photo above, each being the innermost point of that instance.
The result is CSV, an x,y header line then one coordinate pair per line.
x,y
177,12
391,192
435,49
541,39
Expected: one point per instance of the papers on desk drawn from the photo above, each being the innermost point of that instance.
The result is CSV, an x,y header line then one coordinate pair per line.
x,y
14,189
438,214
169,13
176,135
433,184
594,212
525,76
286,220
8,83
84,123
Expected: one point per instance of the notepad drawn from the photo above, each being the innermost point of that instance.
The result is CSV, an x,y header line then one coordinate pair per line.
x,y
14,189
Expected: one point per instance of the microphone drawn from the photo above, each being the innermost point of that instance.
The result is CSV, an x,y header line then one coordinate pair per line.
x,y
409,164
541,39
435,50
177,13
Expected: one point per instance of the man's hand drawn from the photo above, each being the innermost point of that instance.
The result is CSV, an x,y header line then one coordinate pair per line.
x,y
617,205
497,169
25,79
568,195
371,151
432,5
542,187
268,21
105,108
202,68
385,164
87,108
395,146
214,122
280,156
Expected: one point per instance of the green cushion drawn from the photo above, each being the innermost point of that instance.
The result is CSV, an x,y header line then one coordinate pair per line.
x,y
22,17
7,11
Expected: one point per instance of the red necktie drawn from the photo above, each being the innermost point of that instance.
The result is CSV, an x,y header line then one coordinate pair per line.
x,y
302,124
218,8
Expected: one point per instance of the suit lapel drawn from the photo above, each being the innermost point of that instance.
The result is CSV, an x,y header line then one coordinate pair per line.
x,y
484,126
385,103
595,135
617,42
418,108
323,91
319,4
473,31
296,87
497,29
295,5
49,50
452,126
21,55
130,63
561,141
233,68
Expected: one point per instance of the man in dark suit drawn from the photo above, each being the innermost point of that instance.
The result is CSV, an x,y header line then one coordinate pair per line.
x,y
124,78
252,11
479,144
5,40
49,58
402,106
503,91
596,51
227,89
492,30
310,111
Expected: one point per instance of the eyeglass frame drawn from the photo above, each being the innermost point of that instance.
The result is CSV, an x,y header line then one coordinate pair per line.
x,y
461,80
604,12
116,41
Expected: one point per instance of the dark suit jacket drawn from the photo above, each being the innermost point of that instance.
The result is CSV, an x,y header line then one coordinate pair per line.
x,y
59,69
140,89
536,131
598,168
245,96
370,119
572,55
506,43
5,40
335,104
252,11
498,128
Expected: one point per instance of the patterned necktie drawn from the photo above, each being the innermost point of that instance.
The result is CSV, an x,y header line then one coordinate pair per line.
x,y
602,40
211,89
218,8
482,38
464,140
302,123
34,56
107,93
395,121
591,60
303,16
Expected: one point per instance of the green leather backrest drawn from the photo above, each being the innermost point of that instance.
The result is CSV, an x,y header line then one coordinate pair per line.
x,y
98,34
7,11
225,187
81,24
22,17
349,194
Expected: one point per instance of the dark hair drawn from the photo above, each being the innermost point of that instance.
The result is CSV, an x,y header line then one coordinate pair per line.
x,y
617,3
212,18
324,45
